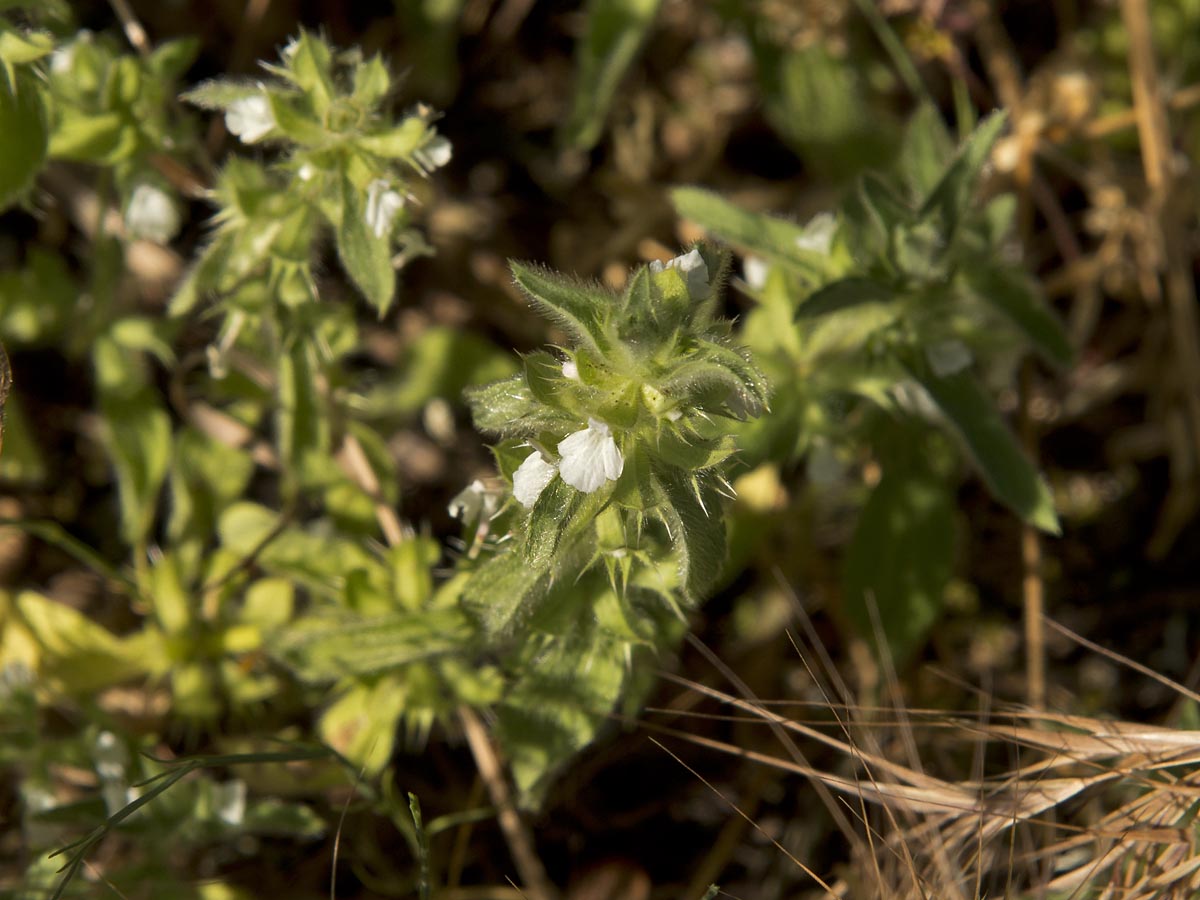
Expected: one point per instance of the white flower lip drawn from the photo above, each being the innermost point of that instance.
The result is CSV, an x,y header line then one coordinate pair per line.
x,y
151,214
694,270
570,369
590,457
472,501
948,357
435,154
818,234
250,118
531,478
382,205
755,270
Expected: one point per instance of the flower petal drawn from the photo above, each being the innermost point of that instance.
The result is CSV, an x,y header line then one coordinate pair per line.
x,y
589,457
694,270
948,357
531,478
382,205
151,214
250,118
818,233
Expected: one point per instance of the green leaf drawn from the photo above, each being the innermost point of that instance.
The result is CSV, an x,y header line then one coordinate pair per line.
x,y
1013,479
693,453
26,134
549,520
20,49
276,818
738,383
310,67
302,420
501,592
137,431
171,59
581,309
768,236
691,512
817,102
206,476
366,256
219,94
1017,297
76,654
951,198
322,562
371,82
900,560
560,514
295,121
361,725
559,703
614,32
169,598
841,295
398,142
324,648
926,149
508,408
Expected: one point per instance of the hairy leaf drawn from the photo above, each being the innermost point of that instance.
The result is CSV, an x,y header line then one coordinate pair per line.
x,y
900,560
581,309
768,236
1017,297
615,30
691,511
1013,479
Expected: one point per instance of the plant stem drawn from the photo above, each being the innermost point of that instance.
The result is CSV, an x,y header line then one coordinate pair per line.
x,y
520,843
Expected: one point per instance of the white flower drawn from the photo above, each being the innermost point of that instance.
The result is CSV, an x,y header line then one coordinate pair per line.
x,y
692,267
306,172
818,234
250,118
111,760
435,154
589,457
382,205
151,214
948,357
755,270
531,478
62,59
471,501
109,756
229,801
570,369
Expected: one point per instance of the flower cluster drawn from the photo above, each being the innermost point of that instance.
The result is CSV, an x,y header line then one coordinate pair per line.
x,y
588,458
634,413
342,160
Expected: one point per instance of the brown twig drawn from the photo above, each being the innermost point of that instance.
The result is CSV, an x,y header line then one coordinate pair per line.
x,y
134,32
1033,588
1103,126
520,842
1166,210
1001,61
353,461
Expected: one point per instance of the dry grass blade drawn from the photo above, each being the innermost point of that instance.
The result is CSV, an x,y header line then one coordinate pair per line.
x,y
1096,808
